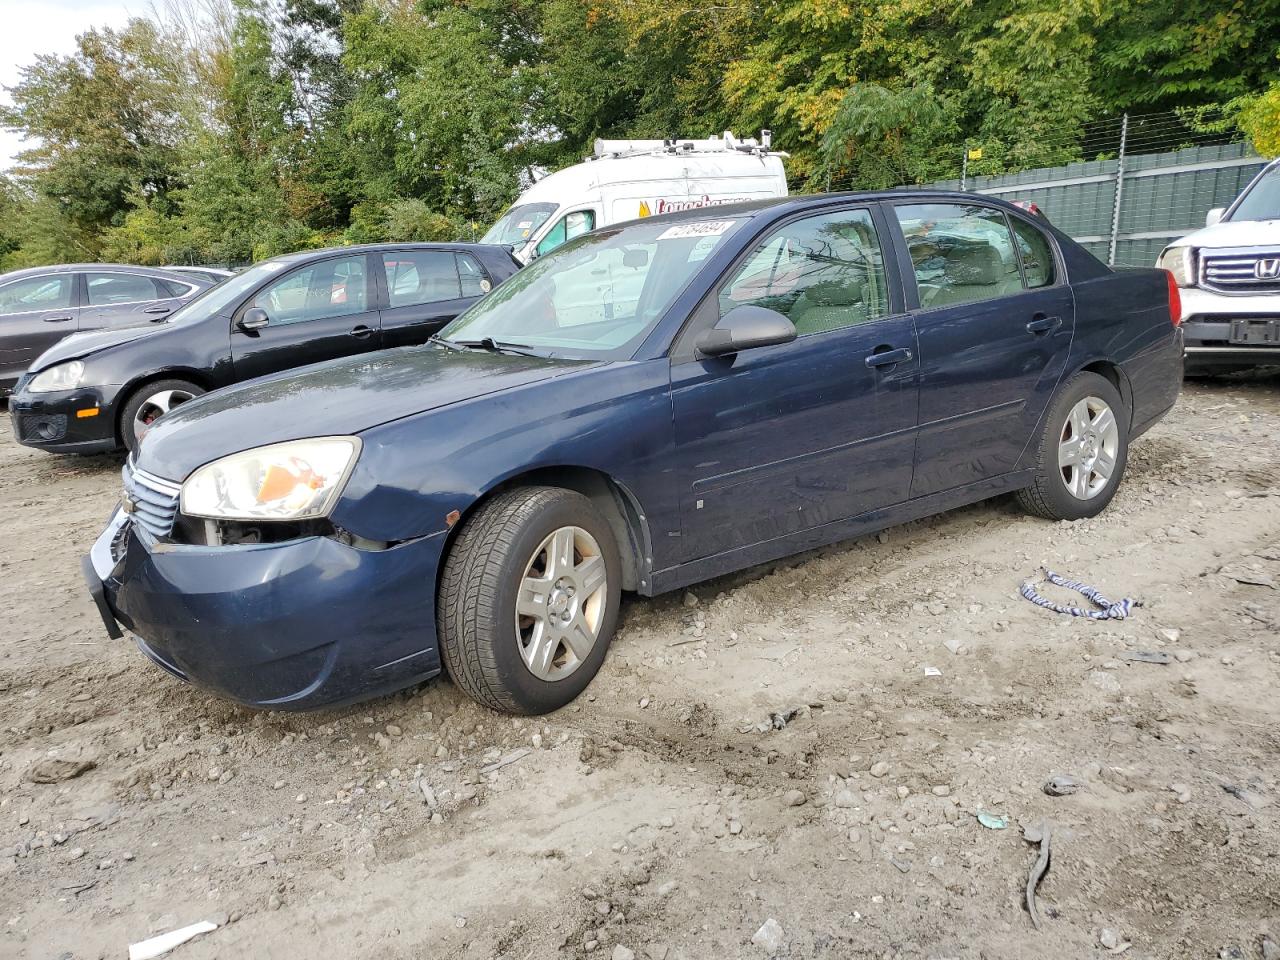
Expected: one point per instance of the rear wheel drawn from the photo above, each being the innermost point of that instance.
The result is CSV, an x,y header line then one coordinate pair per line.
x,y
529,600
150,402
1083,451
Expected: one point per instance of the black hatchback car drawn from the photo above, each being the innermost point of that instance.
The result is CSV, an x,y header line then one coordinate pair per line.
x,y
100,391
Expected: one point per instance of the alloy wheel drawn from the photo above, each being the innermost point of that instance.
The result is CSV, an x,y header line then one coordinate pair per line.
x,y
561,602
156,406
1088,448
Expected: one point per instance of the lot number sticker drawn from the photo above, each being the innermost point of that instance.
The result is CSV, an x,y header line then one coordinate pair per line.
x,y
706,228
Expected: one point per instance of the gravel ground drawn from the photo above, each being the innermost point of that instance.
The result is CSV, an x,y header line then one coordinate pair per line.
x,y
766,757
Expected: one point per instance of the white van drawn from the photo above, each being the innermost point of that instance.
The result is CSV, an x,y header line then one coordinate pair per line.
x,y
628,179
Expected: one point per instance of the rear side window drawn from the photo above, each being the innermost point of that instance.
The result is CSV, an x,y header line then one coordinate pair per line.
x,y
106,289
36,293
961,253
475,282
421,276
1037,255
823,273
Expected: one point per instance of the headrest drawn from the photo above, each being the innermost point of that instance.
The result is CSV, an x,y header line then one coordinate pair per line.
x,y
834,293
973,265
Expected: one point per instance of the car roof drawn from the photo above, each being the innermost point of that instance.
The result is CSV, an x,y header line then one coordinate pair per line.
x,y
303,255
795,203
98,267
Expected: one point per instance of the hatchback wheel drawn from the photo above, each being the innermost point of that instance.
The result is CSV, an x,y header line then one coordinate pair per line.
x,y
529,600
150,402
1083,451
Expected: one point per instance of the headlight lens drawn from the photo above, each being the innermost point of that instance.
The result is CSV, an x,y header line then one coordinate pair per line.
x,y
65,376
1181,262
297,480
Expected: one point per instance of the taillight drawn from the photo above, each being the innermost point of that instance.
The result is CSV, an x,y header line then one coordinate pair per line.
x,y
1175,300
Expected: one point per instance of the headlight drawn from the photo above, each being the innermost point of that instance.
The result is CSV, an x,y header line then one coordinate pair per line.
x,y
297,480
65,376
1181,262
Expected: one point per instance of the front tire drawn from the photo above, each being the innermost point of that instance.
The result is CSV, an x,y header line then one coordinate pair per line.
x,y
529,600
1083,450
150,402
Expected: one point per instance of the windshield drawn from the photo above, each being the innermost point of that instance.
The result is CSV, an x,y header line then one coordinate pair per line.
x,y
217,298
596,297
519,223
1262,200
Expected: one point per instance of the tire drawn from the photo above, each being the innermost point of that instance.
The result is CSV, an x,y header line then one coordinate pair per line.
x,y
174,392
490,650
1056,492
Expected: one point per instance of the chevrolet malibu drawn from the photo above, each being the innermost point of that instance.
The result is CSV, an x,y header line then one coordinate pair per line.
x,y
650,405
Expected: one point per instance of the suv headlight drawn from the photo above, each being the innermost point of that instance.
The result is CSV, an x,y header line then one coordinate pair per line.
x,y
1181,262
65,376
296,480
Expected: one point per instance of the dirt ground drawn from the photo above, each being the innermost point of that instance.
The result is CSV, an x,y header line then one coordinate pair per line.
x,y
667,815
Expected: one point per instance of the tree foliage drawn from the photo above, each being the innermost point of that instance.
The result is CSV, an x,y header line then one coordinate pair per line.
x,y
261,126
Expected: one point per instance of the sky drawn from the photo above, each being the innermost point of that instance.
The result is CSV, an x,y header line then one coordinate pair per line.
x,y
32,27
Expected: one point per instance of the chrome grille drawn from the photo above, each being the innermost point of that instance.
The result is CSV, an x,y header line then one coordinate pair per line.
x,y
1241,270
154,500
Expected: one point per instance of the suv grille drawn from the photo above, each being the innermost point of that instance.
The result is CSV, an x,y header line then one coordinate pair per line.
x,y
154,499
1242,270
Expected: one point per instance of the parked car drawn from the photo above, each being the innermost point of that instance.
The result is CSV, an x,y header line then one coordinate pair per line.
x,y
651,405
1229,273
212,274
97,392
41,305
626,179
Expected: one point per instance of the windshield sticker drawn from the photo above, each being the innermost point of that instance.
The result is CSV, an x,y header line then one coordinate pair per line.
x,y
524,224
706,228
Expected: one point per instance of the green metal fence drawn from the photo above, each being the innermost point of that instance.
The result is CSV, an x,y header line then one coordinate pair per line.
x,y
1126,210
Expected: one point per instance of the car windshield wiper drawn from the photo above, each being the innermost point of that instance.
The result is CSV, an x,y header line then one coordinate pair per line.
x,y
436,338
498,346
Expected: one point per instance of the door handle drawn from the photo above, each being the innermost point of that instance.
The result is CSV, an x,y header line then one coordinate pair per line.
x,y
1043,323
886,356
362,332
58,319
158,310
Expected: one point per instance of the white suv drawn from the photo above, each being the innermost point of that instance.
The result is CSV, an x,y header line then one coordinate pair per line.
x,y
1229,273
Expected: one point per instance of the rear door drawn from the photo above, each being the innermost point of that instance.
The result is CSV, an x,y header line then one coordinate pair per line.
x,y
318,311
780,439
35,313
121,299
994,320
424,290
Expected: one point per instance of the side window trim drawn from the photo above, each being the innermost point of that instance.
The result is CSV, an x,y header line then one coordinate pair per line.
x,y
706,313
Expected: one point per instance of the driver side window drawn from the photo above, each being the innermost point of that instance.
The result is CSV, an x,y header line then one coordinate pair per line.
x,y
822,273
330,288
569,226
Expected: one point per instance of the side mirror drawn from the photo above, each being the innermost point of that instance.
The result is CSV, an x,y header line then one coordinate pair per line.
x,y
743,328
255,318
1214,216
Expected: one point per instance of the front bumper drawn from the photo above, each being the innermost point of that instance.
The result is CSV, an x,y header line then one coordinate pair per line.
x,y
293,626
1206,325
67,421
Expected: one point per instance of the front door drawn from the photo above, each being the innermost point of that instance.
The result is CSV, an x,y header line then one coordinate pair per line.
x,y
780,439
35,313
994,323
319,311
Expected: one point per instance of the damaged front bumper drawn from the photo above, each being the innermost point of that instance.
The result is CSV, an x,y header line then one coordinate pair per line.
x,y
295,625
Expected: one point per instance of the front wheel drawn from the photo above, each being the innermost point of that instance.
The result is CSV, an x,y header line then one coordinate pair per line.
x,y
529,600
1083,451
150,402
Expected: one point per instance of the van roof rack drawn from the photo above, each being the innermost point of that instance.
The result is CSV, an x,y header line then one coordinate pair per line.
x,y
725,143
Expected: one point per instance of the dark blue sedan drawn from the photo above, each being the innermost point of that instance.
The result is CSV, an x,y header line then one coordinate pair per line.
x,y
651,405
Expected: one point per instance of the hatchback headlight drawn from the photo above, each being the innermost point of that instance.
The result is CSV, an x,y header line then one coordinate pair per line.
x,y
65,376
1181,262
296,480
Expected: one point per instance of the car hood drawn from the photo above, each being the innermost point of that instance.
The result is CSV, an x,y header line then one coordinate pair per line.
x,y
82,344
335,398
1236,233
